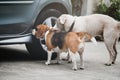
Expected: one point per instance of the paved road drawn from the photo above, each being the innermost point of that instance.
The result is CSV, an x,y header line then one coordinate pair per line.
x,y
16,64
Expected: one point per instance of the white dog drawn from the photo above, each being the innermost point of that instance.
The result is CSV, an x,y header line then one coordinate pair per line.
x,y
95,24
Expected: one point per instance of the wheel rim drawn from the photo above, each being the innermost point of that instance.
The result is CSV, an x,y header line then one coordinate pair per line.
x,y
50,21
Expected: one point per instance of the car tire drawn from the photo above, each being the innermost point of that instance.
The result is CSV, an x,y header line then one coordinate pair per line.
x,y
35,48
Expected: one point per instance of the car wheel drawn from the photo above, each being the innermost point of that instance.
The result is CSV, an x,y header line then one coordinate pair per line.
x,y
37,48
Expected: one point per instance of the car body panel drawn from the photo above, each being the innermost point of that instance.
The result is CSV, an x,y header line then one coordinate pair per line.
x,y
15,17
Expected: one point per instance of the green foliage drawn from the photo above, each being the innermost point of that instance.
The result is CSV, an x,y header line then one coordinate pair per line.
x,y
113,10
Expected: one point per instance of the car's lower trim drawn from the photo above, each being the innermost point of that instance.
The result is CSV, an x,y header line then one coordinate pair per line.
x,y
18,40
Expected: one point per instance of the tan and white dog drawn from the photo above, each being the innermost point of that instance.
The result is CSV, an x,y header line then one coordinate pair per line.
x,y
95,24
73,42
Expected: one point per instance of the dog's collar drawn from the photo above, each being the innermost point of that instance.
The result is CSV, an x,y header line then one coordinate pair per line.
x,y
71,27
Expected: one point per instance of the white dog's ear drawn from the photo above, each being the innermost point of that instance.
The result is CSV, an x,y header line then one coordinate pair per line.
x,y
62,20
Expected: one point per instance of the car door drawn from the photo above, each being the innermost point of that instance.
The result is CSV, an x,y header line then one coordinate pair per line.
x,y
15,15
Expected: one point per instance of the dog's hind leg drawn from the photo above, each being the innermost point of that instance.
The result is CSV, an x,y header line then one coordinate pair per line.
x,y
81,50
73,57
110,50
114,47
111,46
117,33
110,39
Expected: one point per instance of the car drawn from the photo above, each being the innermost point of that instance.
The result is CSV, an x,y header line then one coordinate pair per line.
x,y
19,17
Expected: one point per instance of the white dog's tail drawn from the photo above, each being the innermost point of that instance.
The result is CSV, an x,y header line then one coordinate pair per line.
x,y
84,35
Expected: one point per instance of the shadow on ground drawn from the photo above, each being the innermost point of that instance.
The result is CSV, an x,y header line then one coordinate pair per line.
x,y
8,54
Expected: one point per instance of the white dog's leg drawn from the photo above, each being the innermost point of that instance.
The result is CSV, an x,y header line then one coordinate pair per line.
x,y
111,46
49,57
58,58
110,49
69,58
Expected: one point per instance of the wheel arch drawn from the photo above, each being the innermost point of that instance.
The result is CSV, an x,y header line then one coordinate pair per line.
x,y
59,7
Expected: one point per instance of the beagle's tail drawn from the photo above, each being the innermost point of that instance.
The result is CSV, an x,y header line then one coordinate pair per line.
x,y
84,35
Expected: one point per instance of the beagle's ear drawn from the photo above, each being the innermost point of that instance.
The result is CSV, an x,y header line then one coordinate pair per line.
x,y
62,20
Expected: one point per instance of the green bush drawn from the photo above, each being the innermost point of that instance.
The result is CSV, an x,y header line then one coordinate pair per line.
x,y
113,10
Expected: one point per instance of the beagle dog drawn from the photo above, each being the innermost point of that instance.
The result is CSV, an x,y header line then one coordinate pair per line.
x,y
94,24
56,41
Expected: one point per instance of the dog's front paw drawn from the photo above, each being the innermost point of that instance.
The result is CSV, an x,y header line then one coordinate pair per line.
x,y
47,63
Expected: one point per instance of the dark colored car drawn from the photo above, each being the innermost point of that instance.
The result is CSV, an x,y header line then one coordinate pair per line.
x,y
19,17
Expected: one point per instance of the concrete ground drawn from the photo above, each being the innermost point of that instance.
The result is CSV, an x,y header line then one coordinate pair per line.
x,y
22,67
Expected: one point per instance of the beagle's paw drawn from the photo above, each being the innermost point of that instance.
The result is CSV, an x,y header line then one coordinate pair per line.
x,y
47,63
